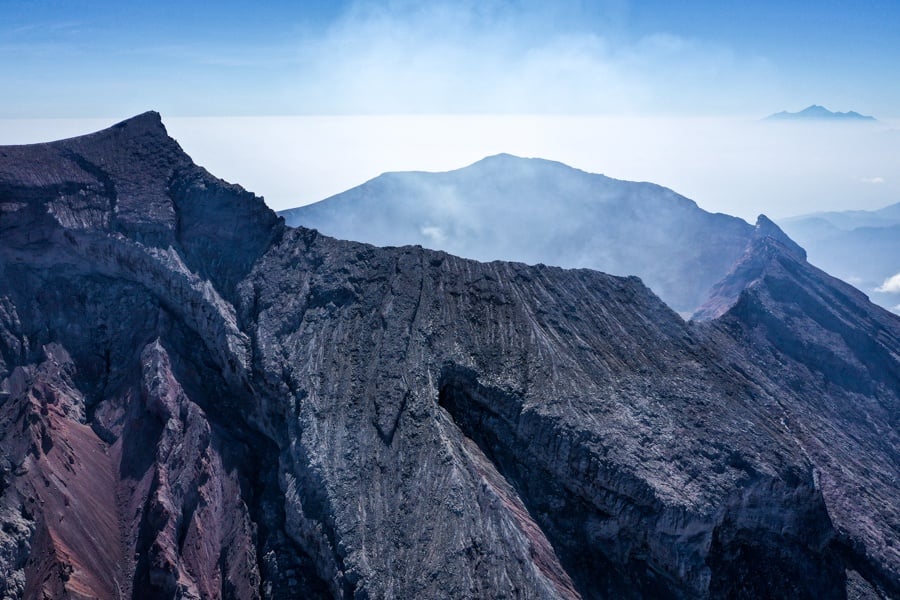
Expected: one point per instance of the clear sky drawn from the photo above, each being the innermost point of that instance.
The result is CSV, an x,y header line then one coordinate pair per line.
x,y
78,58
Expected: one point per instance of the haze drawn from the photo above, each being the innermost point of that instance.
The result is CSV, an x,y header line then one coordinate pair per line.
x,y
738,166
670,93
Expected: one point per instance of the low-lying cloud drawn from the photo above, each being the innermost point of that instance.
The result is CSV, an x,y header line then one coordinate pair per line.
x,y
737,166
435,234
891,285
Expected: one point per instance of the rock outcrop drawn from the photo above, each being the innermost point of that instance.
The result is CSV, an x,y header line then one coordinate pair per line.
x,y
198,402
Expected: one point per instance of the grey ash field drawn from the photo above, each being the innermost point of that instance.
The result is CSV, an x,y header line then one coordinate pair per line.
x,y
200,402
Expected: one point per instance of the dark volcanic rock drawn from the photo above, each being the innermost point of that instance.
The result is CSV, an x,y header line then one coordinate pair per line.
x,y
198,402
838,355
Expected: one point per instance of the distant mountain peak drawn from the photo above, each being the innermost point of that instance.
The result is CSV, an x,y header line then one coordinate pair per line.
x,y
817,112
502,156
504,160
561,216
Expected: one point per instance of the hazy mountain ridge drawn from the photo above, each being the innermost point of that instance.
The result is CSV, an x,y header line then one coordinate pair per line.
x,y
538,211
815,112
199,402
851,219
861,247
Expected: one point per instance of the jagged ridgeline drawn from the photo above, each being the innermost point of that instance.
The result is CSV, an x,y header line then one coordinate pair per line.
x,y
199,402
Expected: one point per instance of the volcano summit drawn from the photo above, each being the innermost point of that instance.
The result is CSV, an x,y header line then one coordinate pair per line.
x,y
197,401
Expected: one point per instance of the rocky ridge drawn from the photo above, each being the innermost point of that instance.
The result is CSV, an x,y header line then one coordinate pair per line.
x,y
196,401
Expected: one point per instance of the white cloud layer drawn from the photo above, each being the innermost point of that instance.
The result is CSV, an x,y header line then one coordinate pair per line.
x,y
742,167
736,166
891,285
872,179
468,57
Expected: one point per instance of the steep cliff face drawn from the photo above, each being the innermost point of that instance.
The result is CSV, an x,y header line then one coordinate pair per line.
x,y
107,275
837,354
198,402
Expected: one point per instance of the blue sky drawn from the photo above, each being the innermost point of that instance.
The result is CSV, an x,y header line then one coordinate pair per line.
x,y
107,59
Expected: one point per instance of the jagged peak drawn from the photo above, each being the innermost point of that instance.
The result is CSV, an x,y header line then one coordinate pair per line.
x,y
766,227
146,121
766,247
146,124
146,128
134,179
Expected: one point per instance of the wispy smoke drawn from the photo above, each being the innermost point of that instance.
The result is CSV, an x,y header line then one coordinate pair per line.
x,y
523,57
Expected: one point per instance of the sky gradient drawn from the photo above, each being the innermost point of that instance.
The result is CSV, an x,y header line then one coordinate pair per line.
x,y
301,100
75,58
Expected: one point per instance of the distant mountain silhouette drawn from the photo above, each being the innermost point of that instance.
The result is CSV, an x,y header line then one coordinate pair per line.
x,y
539,211
818,113
850,219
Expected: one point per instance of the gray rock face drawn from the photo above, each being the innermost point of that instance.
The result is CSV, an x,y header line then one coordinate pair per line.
x,y
539,211
274,413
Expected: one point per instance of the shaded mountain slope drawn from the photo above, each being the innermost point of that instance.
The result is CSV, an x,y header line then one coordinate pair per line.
x,y
281,414
539,211
804,325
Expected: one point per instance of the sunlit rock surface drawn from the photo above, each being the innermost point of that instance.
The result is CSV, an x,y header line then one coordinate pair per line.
x,y
198,402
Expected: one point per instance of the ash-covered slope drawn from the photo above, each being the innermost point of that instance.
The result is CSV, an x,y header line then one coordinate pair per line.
x,y
274,413
540,211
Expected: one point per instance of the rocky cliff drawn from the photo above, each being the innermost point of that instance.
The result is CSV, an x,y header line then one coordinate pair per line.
x,y
198,402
